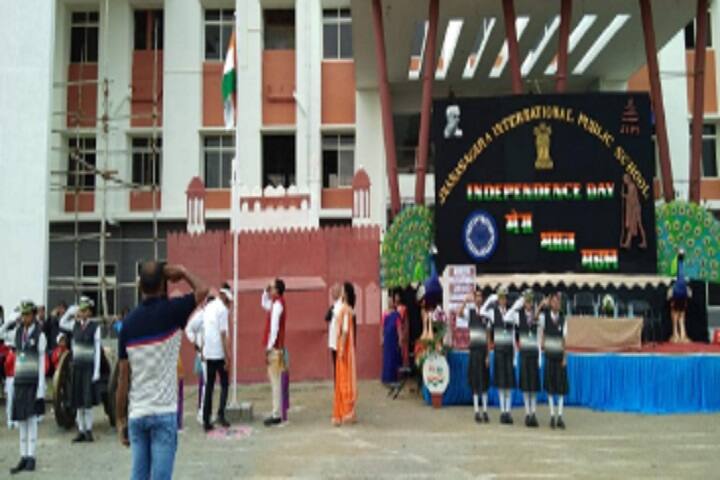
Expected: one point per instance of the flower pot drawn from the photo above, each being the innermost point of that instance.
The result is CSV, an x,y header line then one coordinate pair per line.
x,y
437,400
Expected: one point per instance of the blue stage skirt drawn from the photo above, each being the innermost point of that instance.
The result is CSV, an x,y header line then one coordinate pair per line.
x,y
638,383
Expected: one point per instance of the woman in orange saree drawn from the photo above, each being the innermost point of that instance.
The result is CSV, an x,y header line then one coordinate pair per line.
x,y
346,378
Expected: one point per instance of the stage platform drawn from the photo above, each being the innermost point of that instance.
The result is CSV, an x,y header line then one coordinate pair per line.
x,y
660,379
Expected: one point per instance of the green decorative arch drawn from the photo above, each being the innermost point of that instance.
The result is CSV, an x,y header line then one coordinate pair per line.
x,y
692,227
406,246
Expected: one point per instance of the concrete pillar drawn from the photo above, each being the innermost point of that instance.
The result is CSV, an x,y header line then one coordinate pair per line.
x,y
249,78
672,59
370,151
26,61
308,99
119,46
182,108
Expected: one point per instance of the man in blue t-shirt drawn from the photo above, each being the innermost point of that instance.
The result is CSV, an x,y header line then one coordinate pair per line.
x,y
148,348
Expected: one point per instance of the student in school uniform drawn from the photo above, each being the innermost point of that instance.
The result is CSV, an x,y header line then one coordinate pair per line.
x,y
86,349
526,324
496,309
554,331
29,384
478,368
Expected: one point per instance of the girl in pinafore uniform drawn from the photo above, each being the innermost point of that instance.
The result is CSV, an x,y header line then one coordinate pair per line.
x,y
478,368
29,384
86,351
495,308
554,331
530,358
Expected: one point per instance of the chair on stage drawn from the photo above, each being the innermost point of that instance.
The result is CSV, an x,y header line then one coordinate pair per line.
x,y
584,304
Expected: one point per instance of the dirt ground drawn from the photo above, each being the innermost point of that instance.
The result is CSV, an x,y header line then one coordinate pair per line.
x,y
397,439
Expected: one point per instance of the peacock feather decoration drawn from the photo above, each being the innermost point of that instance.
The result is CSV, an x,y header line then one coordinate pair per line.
x,y
688,226
406,247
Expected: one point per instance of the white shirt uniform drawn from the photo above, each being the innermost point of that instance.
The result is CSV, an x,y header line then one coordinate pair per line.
x,y
214,319
275,308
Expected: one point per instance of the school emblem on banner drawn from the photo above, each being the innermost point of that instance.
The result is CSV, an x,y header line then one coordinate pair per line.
x,y
542,145
480,235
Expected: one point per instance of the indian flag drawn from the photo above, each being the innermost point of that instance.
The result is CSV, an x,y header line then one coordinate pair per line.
x,y
229,85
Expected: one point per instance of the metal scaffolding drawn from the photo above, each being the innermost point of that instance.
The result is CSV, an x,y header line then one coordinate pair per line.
x,y
105,178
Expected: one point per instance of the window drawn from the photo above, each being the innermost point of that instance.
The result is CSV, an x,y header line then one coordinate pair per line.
x,y
709,146
690,34
337,33
91,285
407,128
279,29
146,161
218,152
148,29
84,37
219,25
338,160
278,160
81,163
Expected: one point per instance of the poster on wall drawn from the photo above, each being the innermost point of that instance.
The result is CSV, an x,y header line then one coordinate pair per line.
x,y
545,183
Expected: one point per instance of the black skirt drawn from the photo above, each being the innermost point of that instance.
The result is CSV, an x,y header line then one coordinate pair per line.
x,y
529,371
504,375
84,394
25,405
555,376
478,372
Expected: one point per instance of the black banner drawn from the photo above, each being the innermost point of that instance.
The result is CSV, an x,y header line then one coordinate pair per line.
x,y
550,183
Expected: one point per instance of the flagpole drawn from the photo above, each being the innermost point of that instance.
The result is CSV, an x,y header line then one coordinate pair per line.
x,y
234,211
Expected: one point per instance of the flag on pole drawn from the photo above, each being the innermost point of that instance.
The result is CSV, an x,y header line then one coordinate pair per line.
x,y
229,85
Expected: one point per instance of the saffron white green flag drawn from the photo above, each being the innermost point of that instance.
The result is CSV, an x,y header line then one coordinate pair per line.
x,y
229,85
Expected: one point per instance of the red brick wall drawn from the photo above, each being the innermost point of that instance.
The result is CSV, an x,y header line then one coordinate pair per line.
x,y
332,254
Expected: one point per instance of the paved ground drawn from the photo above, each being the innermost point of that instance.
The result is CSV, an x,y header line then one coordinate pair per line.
x,y
400,439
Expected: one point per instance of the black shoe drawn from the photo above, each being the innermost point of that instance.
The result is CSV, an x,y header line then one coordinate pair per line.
x,y
223,422
503,418
271,421
80,438
527,420
208,427
30,465
486,419
533,421
89,436
560,423
20,466
478,417
509,419
552,423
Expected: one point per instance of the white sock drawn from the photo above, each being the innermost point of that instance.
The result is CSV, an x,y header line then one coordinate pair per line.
x,y
80,420
526,402
23,427
501,394
32,436
551,402
508,401
561,402
484,401
476,407
533,402
88,419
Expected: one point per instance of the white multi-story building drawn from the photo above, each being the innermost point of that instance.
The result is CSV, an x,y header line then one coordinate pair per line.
x,y
133,88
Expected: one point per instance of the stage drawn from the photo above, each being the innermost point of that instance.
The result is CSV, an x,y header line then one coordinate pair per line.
x,y
662,379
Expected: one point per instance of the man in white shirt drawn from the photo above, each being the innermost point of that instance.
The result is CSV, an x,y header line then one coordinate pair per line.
x,y
216,352
273,302
194,333
332,325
